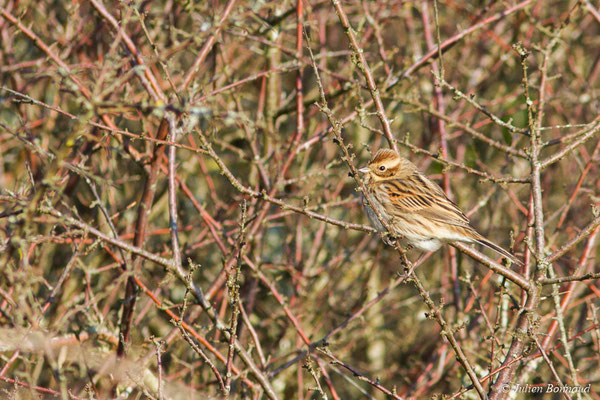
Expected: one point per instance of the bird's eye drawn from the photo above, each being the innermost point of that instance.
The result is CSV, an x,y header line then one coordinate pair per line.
x,y
382,168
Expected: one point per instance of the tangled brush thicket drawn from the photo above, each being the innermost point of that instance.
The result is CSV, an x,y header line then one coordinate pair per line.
x,y
180,215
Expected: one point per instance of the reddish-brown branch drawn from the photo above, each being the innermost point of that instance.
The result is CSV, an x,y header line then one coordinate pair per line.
x,y
207,46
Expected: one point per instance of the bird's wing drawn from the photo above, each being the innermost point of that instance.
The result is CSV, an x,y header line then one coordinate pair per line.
x,y
416,194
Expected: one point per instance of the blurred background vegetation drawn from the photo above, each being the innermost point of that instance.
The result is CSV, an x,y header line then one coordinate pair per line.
x,y
98,101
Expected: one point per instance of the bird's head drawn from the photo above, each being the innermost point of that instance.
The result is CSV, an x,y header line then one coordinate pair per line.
x,y
387,164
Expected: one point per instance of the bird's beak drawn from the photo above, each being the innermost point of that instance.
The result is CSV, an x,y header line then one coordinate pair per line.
x,y
364,170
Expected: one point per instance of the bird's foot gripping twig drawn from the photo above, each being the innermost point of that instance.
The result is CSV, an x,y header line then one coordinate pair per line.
x,y
389,239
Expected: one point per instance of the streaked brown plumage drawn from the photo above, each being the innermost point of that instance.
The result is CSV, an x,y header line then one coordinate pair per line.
x,y
415,208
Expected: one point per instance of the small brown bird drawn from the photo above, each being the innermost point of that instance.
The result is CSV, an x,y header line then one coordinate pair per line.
x,y
416,209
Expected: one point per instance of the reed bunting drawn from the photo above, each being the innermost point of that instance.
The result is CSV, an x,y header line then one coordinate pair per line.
x,y
416,209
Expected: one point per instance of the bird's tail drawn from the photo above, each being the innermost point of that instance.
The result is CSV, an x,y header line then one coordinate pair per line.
x,y
500,250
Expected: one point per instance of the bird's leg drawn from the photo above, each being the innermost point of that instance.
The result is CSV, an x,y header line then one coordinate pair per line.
x,y
388,239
